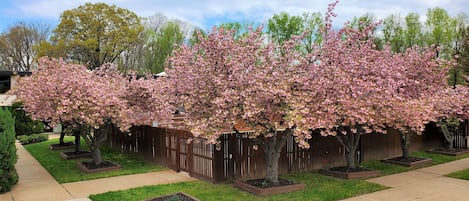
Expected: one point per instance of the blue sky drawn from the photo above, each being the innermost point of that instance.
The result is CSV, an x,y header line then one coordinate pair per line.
x,y
206,13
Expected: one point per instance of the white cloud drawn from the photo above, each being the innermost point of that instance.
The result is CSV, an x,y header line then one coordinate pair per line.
x,y
199,12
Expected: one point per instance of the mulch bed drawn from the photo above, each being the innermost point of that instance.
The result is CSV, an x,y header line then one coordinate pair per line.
x,y
176,196
65,145
74,155
411,161
263,183
90,167
264,187
350,173
449,152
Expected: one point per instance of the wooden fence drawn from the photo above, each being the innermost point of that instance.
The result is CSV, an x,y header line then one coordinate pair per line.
x,y
235,157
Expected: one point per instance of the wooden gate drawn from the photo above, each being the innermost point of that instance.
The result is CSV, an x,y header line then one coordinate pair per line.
x,y
192,155
460,138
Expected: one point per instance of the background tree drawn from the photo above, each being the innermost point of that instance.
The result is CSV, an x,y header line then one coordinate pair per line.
x,y
161,45
17,52
440,33
463,58
313,24
401,34
8,175
281,27
393,33
93,34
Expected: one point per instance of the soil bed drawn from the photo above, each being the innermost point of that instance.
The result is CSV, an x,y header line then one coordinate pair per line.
x,y
66,145
176,196
264,187
411,161
90,167
449,152
350,173
262,183
74,155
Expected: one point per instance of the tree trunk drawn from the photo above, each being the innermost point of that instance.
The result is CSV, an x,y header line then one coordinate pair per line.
x,y
62,136
405,144
97,158
95,139
449,136
272,148
77,134
271,157
351,158
350,143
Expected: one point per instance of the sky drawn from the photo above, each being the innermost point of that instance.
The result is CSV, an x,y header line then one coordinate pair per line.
x,y
208,13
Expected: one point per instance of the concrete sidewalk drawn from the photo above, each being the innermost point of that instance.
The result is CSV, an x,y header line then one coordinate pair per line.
x,y
427,184
35,183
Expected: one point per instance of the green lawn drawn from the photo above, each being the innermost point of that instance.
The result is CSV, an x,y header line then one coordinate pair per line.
x,y
387,169
463,174
318,187
67,171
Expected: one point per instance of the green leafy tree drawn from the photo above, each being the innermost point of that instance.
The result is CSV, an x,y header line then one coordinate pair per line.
x,y
440,33
313,23
8,157
393,33
460,48
162,44
463,57
413,34
281,27
93,34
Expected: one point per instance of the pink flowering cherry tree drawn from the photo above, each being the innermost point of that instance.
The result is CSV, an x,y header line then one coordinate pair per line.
x,y
222,81
47,94
348,88
91,100
417,104
452,104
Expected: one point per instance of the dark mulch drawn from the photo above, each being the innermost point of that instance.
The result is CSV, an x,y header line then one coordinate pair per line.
x,y
455,150
175,196
347,169
410,159
65,144
263,183
74,153
105,164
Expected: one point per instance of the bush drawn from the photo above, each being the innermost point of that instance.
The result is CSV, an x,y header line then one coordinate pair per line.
x,y
24,125
34,138
8,157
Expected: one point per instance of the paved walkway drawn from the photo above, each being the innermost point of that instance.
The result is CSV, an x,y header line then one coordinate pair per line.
x,y
425,184
37,184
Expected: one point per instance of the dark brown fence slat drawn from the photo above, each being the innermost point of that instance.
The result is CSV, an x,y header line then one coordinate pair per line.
x,y
237,159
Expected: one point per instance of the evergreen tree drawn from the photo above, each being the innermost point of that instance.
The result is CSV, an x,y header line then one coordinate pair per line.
x,y
8,157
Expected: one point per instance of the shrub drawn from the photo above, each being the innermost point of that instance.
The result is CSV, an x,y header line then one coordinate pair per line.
x,y
24,125
8,157
34,138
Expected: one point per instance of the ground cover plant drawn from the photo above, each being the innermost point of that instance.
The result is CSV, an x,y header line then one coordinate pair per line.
x,y
66,170
34,138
